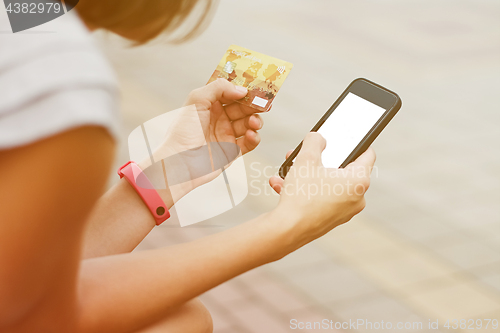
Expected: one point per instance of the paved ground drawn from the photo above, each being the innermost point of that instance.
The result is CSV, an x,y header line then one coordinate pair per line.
x,y
428,244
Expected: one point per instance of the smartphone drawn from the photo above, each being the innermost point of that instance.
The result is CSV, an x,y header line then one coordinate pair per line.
x,y
352,123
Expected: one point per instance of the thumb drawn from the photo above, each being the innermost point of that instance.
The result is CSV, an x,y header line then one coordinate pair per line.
x,y
219,90
312,147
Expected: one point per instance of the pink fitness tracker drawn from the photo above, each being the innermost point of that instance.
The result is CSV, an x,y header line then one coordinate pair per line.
x,y
146,191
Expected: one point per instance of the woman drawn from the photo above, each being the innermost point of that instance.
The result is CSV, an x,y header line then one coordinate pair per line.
x,y
65,247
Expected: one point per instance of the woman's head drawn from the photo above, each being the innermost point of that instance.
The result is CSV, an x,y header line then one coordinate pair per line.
x,y
143,20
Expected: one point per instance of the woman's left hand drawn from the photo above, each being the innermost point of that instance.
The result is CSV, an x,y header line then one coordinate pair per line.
x,y
229,121
211,131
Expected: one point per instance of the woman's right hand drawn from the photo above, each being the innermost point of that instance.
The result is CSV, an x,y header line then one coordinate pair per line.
x,y
315,199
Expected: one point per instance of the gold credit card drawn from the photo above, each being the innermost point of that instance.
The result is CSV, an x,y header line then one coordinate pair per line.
x,y
262,75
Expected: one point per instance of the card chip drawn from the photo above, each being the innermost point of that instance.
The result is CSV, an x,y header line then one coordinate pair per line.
x,y
229,67
259,101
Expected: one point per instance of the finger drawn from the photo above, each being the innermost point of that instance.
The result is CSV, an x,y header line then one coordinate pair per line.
x,y
366,160
248,142
276,183
237,111
312,147
219,90
288,154
253,122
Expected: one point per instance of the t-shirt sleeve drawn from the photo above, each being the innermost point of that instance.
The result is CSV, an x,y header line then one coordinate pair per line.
x,y
50,84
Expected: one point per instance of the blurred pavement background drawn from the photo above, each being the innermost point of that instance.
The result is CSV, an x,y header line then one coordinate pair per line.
x,y
427,246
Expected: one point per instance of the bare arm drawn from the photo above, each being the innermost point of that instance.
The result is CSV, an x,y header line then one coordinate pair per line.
x,y
47,190
118,222
129,291
141,287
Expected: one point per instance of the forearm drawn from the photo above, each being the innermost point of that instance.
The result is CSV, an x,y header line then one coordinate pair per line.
x,y
126,292
118,223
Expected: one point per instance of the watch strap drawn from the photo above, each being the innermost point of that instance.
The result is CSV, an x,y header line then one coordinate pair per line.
x,y
134,175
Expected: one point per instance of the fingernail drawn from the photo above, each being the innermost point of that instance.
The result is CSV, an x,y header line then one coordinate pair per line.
x,y
242,89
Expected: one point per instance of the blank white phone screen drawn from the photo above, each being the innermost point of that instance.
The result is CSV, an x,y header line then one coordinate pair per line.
x,y
346,127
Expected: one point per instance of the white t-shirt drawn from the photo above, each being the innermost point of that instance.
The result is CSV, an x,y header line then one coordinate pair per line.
x,y
53,78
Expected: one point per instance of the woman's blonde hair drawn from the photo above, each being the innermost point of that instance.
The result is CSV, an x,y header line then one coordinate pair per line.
x,y
143,20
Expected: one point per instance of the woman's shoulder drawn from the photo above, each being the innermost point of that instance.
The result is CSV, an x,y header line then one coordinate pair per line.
x,y
60,53
48,72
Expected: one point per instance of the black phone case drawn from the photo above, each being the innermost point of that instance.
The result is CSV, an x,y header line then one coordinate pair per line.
x,y
369,137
